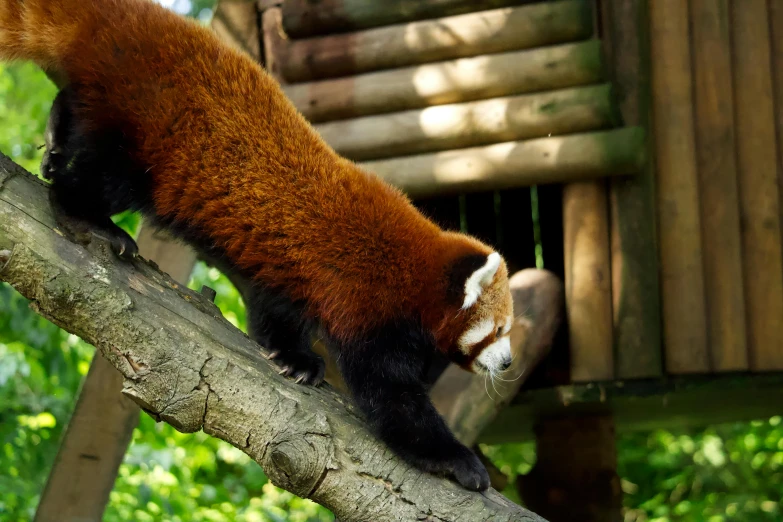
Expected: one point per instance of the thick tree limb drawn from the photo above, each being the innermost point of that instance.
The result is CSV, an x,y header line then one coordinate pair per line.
x,y
186,365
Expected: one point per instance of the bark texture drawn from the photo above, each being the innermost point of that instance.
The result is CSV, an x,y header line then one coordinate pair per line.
x,y
186,365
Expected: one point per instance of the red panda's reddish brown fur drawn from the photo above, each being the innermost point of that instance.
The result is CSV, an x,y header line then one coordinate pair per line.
x,y
198,167
156,114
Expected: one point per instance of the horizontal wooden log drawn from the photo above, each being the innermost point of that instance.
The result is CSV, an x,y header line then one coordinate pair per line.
x,y
673,403
453,126
472,34
465,79
518,163
307,18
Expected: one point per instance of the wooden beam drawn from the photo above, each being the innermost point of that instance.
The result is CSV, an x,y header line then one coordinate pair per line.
x,y
645,404
759,168
307,18
636,301
460,80
566,111
679,227
103,420
472,34
588,284
513,164
718,189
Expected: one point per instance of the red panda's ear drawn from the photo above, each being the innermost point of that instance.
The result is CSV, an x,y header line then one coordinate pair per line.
x,y
470,275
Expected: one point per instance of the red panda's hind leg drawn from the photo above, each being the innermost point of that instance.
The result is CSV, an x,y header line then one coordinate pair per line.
x,y
385,376
92,176
280,326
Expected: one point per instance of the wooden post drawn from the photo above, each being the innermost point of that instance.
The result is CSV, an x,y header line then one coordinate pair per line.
x,y
588,288
471,34
776,36
464,79
575,475
635,284
757,157
718,189
679,228
103,420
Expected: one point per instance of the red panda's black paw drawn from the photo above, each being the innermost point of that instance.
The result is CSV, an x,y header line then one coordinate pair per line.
x,y
304,368
470,472
121,243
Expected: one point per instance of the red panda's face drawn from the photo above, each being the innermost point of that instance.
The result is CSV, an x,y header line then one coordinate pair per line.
x,y
485,319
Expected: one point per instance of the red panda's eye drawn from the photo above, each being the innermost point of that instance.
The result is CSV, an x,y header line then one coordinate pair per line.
x,y
499,331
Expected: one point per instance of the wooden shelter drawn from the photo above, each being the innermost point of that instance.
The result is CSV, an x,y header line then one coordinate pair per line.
x,y
631,147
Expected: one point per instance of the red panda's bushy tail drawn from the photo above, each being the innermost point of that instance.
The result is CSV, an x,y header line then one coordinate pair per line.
x,y
39,30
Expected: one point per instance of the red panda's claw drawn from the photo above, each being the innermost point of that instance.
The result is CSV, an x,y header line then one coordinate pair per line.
x,y
271,355
285,370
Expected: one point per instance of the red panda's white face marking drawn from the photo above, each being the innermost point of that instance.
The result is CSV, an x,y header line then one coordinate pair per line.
x,y
488,310
480,279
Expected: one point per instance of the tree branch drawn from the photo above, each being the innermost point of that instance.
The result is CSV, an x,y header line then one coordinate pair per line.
x,y
186,365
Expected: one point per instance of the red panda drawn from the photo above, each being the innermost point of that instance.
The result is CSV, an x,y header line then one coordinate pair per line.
x,y
156,114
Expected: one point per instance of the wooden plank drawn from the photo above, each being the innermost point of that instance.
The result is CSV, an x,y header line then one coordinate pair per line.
x,y
565,111
307,18
103,420
776,32
679,228
483,32
453,81
588,288
675,402
718,186
636,300
92,449
515,164
757,157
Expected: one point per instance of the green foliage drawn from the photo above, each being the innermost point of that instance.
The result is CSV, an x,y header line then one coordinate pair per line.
x,y
726,472
25,99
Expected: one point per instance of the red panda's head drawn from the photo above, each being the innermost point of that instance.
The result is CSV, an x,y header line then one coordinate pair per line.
x,y
474,325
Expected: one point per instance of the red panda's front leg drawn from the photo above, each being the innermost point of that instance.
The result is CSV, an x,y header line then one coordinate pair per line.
x,y
92,175
280,326
385,377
